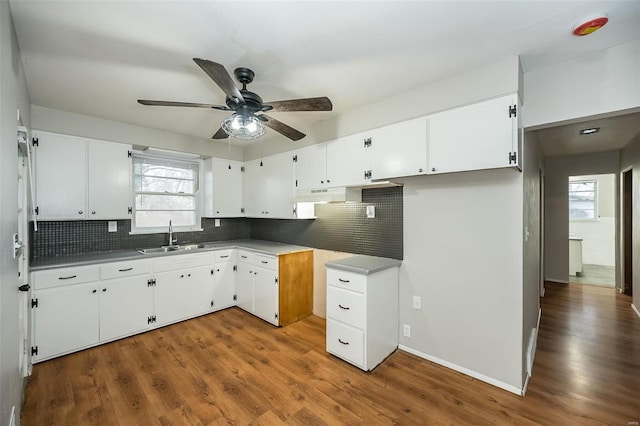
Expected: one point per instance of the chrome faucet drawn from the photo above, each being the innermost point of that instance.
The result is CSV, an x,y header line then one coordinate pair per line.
x,y
172,240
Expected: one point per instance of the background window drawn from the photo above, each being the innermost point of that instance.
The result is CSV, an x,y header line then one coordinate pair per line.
x,y
583,200
165,189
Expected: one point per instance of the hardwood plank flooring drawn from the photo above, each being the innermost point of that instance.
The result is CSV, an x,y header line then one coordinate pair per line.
x,y
232,368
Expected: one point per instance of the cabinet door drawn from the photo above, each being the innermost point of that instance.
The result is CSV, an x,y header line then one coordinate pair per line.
x,y
265,295
280,186
182,294
66,319
224,290
125,306
61,177
227,188
109,171
311,167
398,150
474,137
346,161
254,189
244,286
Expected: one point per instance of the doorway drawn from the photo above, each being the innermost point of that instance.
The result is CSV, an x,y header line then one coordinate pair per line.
x,y
627,227
592,229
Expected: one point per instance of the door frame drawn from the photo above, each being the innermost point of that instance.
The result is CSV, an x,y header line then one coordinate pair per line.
x,y
628,171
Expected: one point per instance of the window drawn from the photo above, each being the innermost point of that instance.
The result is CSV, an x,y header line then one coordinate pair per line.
x,y
583,199
165,189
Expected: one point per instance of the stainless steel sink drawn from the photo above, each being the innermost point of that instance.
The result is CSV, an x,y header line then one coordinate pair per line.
x,y
168,249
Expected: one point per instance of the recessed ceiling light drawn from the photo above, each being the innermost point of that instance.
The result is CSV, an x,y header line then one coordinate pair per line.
x,y
589,131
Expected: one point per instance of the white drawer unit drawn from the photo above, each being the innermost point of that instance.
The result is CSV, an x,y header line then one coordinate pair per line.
x,y
182,261
245,256
225,255
125,269
65,276
362,311
267,262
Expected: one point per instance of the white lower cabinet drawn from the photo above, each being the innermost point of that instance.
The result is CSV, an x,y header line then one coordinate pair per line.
x,y
257,285
362,315
224,279
182,294
125,306
66,319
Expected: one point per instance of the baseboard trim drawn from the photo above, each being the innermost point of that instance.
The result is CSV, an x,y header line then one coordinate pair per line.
x,y
558,281
463,370
532,353
526,384
635,310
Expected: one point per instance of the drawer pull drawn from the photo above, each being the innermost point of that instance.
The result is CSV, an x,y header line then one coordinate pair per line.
x,y
343,281
67,278
224,257
126,269
343,342
244,257
263,261
346,308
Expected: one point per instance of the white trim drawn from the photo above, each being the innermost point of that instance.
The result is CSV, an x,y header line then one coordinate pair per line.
x,y
463,370
553,280
635,310
526,384
544,290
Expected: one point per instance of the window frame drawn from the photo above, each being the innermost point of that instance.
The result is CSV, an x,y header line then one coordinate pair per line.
x,y
197,226
595,217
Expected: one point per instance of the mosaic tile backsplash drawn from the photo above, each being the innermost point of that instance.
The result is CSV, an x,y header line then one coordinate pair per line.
x,y
339,226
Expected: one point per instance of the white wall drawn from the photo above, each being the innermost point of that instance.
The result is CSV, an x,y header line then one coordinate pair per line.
x,y
68,123
532,164
598,83
463,256
598,237
630,157
557,172
13,95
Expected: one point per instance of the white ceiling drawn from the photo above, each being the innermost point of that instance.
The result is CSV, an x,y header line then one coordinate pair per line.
x,y
98,57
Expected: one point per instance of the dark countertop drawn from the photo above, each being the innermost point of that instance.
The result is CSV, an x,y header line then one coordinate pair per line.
x,y
362,264
269,248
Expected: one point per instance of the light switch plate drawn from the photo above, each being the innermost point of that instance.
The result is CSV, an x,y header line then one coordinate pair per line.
x,y
417,302
113,226
406,330
371,211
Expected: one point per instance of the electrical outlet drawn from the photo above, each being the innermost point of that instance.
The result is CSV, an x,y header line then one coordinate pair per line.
x,y
417,302
216,223
407,330
113,226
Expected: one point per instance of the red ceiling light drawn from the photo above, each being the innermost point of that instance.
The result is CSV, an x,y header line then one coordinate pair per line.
x,y
590,24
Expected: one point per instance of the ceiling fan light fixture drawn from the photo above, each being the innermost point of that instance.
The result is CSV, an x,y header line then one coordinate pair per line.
x,y
243,126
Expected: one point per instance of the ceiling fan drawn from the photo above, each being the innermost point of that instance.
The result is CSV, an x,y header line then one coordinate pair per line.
x,y
248,116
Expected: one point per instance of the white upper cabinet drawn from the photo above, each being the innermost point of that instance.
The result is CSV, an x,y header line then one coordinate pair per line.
x,y
269,188
223,185
346,162
474,137
109,172
398,150
61,177
82,179
311,167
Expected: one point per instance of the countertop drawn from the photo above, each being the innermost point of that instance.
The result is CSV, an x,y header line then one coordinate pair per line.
x,y
362,264
264,247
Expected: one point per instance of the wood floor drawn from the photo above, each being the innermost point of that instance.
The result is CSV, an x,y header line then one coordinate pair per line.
x,y
232,368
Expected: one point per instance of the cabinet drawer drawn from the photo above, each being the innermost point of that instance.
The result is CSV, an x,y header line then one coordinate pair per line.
x,y
346,279
125,269
182,261
65,276
267,262
346,342
245,256
346,306
224,255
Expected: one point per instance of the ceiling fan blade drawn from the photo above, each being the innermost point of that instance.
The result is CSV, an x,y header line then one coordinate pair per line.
x,y
220,134
283,129
219,74
308,104
182,104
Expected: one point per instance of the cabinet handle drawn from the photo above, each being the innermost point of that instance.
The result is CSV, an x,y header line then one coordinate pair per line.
x,y
346,308
420,170
217,212
93,212
343,281
224,257
321,181
104,290
182,276
79,211
125,270
433,169
94,291
244,257
328,181
343,342
67,278
188,275
263,261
